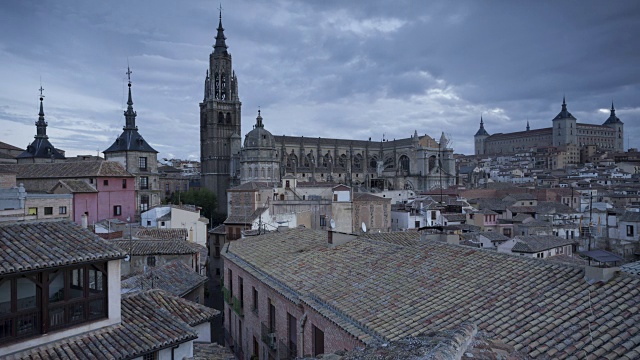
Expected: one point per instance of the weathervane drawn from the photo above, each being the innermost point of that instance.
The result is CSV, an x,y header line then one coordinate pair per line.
x,y
129,72
220,8
41,90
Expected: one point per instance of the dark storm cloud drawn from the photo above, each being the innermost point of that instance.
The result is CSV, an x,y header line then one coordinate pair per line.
x,y
317,68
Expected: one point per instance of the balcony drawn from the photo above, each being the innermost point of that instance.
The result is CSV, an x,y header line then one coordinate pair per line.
x,y
237,306
226,295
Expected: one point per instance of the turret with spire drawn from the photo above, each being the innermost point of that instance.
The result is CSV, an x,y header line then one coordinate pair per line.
x,y
221,46
129,114
479,138
612,117
618,126
528,128
40,150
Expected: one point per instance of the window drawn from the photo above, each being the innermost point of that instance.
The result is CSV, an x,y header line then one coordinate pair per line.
x,y
142,163
105,182
151,261
272,317
292,334
323,220
117,210
144,182
62,210
317,341
48,210
255,299
124,183
150,356
230,282
144,202
629,230
241,290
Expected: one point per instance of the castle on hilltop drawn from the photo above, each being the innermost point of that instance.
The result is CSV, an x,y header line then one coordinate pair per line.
x,y
565,131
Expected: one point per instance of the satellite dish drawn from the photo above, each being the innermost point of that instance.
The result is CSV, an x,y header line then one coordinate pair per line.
x,y
332,223
364,227
127,258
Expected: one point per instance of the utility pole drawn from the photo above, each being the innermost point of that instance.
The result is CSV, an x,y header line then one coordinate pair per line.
x,y
590,217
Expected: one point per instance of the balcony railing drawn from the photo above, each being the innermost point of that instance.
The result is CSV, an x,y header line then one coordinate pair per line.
x,y
20,325
237,306
268,336
226,294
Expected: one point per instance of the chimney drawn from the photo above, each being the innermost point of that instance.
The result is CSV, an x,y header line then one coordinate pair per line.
x,y
335,238
85,220
594,274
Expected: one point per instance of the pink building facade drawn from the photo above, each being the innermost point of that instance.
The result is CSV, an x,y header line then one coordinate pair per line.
x,y
100,198
271,322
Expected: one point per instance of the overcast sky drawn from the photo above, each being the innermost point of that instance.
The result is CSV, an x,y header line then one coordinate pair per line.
x,y
344,69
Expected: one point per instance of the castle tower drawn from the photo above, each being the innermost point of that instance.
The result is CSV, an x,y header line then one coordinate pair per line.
x,y
219,122
564,130
40,150
132,151
615,123
479,139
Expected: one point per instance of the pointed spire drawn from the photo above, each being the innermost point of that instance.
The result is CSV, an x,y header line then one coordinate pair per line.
x,y
129,115
221,46
41,125
528,128
612,118
481,131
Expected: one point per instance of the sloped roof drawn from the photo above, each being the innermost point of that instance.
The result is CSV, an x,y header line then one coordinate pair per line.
x,y
76,186
5,146
150,322
492,235
141,247
74,169
455,217
405,238
630,216
174,277
42,245
253,185
358,196
220,229
242,219
541,308
130,140
536,243
162,234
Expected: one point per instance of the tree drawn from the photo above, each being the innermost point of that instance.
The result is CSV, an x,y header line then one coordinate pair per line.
x,y
203,198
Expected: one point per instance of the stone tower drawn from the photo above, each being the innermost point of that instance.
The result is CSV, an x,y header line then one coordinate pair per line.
x,y
132,151
219,122
614,122
479,138
565,130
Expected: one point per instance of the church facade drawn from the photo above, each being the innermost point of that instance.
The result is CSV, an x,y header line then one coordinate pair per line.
x,y
565,132
416,162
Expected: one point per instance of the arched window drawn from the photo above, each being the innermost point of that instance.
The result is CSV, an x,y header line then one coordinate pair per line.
x,y
343,160
373,162
404,163
357,162
262,173
216,81
432,162
220,117
223,87
228,118
250,173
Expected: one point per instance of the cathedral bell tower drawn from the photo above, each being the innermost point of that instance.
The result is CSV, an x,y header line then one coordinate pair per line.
x,y
219,121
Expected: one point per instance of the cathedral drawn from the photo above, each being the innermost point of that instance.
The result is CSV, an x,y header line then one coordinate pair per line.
x,y
565,131
417,162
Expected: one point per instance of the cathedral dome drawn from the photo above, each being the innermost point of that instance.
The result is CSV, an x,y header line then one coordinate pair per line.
x,y
259,137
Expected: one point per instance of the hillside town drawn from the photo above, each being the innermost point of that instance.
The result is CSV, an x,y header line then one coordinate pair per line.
x,y
317,247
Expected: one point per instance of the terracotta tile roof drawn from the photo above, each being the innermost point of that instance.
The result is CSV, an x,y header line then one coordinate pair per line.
x,y
248,219
74,169
188,311
536,243
220,229
6,146
76,186
174,277
41,245
407,238
158,247
455,217
162,234
543,309
149,323
368,197
211,351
